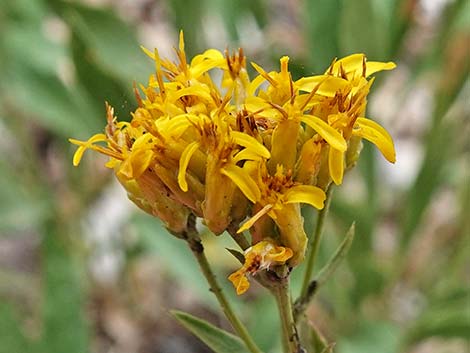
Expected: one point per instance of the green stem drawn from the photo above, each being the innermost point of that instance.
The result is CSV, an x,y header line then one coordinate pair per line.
x,y
313,250
290,337
197,248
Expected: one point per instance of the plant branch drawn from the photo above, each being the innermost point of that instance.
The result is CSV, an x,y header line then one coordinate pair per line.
x,y
301,303
290,337
313,249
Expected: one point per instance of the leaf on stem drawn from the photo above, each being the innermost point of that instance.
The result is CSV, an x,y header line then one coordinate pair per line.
x,y
237,254
337,257
329,348
218,340
312,338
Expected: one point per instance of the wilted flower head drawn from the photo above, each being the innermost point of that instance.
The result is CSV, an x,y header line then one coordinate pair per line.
x,y
241,151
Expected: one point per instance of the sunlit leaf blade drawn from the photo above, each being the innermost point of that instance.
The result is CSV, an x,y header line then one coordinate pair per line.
x,y
337,257
218,340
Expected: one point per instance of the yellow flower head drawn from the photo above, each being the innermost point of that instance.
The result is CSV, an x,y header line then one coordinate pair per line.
x,y
240,150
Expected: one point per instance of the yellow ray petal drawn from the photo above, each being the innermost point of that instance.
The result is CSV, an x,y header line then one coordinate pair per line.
x,y
329,84
245,182
181,41
374,125
135,164
279,254
374,66
184,161
330,135
239,281
350,63
143,142
206,61
140,160
336,165
78,155
248,224
246,154
306,194
263,73
354,64
83,145
176,126
251,143
198,91
125,170
149,53
373,132
208,55
254,84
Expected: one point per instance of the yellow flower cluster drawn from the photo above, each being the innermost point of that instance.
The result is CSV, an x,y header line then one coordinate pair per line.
x,y
245,151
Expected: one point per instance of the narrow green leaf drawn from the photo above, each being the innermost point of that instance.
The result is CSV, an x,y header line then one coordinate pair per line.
x,y
25,11
65,328
218,340
237,254
100,86
110,40
448,318
312,338
44,98
31,86
261,327
368,168
371,337
20,208
337,257
329,348
430,176
11,338
187,16
401,22
364,28
321,22
39,53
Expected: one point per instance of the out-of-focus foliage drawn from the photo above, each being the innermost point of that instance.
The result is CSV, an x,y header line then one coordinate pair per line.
x,y
79,272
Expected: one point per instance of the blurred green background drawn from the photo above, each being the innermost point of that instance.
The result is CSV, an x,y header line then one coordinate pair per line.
x,y
81,270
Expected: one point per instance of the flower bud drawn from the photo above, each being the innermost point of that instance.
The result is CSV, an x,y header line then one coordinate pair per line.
x,y
308,164
150,194
291,231
218,199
